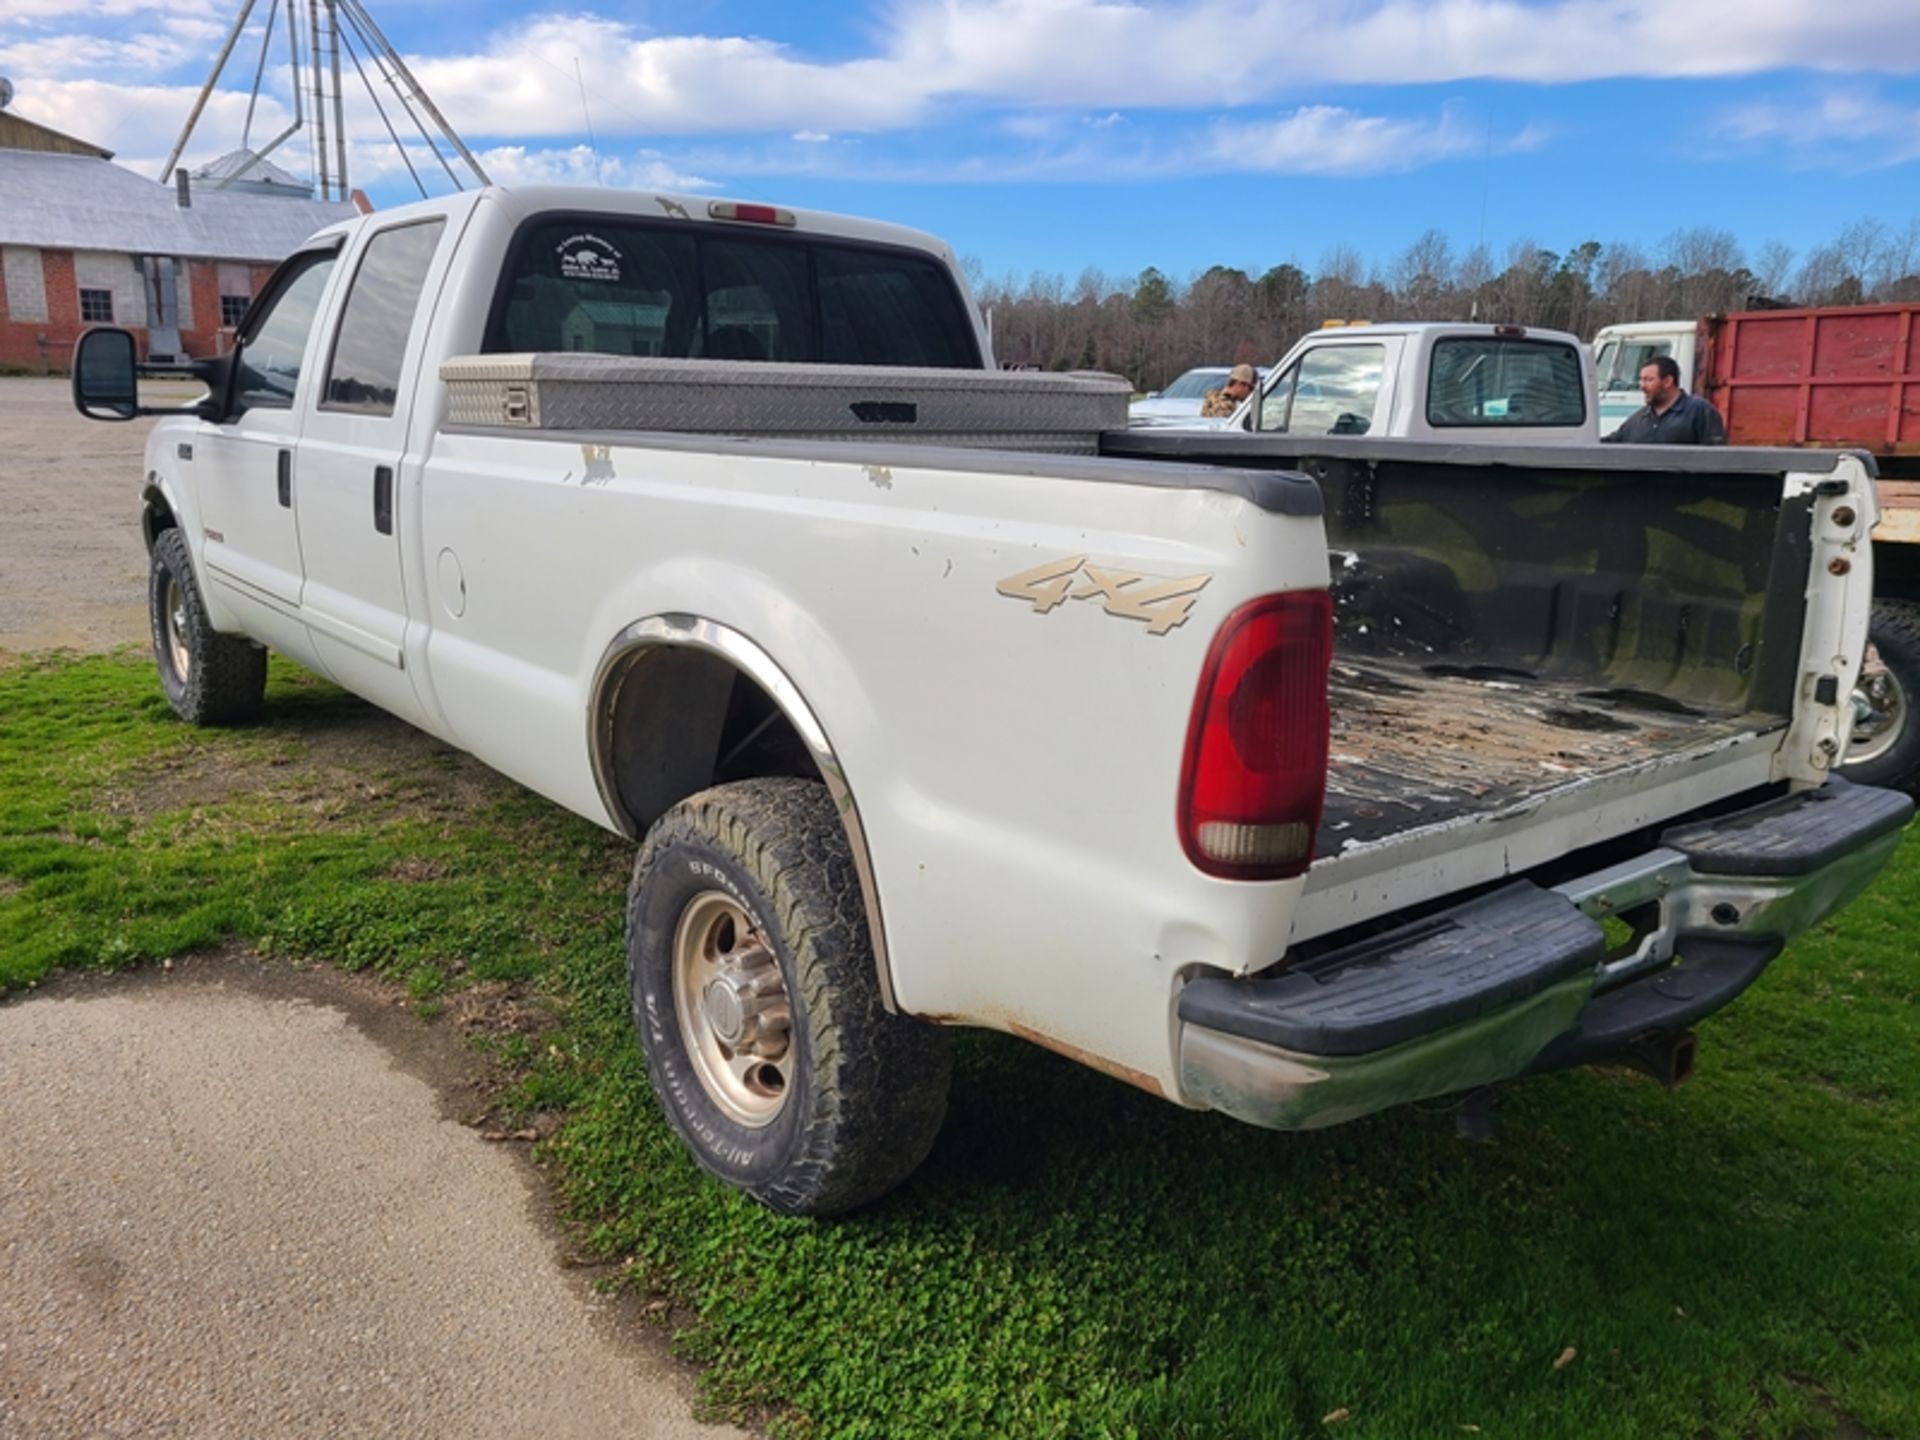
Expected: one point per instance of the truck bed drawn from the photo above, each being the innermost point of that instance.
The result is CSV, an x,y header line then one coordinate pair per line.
x,y
1424,744
1561,642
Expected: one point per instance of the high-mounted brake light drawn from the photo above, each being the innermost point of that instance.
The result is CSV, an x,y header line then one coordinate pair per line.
x,y
1255,777
1510,332
750,214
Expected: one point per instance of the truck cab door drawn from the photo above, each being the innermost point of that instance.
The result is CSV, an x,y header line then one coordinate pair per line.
x,y
1342,387
244,462
355,464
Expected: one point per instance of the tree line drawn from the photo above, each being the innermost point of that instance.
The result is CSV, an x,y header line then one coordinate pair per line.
x,y
1152,327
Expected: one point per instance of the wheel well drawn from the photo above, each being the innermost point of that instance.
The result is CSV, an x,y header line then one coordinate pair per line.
x,y
156,516
679,720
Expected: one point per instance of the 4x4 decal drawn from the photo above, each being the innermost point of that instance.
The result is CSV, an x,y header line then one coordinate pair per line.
x,y
1162,604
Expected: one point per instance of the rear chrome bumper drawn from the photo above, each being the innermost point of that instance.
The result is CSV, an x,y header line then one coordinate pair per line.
x,y
1528,979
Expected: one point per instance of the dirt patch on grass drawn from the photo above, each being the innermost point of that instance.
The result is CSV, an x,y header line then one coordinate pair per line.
x,y
416,871
343,755
497,1010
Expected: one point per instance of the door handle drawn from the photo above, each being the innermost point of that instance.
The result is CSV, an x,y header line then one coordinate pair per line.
x,y
285,471
383,499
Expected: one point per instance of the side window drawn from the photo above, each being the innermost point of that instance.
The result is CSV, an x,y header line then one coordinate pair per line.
x,y
1336,390
371,343
268,367
759,301
1273,405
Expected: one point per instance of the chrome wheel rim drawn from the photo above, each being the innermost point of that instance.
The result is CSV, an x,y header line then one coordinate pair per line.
x,y
736,1019
1875,733
175,604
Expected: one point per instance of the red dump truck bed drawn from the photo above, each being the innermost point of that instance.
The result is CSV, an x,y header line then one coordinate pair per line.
x,y
1845,378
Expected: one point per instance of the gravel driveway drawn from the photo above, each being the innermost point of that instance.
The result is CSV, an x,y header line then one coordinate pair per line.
x,y
73,572
239,1199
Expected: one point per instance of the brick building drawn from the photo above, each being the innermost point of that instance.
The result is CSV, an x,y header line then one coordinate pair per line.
x,y
84,241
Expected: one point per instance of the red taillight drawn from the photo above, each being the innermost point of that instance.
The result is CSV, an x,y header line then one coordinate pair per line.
x,y
1255,776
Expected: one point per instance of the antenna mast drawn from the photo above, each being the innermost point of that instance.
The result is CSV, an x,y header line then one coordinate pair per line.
x,y
316,73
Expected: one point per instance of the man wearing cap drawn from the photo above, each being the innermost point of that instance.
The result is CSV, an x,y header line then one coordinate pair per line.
x,y
1221,403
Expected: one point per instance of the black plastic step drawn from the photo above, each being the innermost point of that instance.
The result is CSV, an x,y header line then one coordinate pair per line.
x,y
1711,973
1410,982
1794,835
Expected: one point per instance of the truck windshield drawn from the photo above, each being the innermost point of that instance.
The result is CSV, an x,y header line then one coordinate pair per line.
x,y
620,286
1495,381
1618,364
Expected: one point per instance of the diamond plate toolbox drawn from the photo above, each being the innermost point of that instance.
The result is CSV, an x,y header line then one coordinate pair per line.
x,y
1004,409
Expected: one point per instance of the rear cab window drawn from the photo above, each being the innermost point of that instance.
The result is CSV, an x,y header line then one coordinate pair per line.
x,y
1494,381
616,285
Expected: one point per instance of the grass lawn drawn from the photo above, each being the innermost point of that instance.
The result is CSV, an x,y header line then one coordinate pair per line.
x,y
1740,1258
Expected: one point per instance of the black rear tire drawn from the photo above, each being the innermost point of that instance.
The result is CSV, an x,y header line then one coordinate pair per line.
x,y
210,678
853,1096
1895,632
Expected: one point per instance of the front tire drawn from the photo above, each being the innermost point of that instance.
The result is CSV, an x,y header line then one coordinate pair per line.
x,y
1886,743
210,678
758,1004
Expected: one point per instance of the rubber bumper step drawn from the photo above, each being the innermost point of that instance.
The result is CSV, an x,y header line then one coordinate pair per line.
x,y
1424,977
1794,835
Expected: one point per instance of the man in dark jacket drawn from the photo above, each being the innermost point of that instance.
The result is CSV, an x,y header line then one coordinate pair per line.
x,y
1670,416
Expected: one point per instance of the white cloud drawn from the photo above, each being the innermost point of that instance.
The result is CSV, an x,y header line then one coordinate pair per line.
x,y
1098,55
49,57
1215,52
1856,129
1068,77
142,120
525,84
578,165
34,12
1310,140
1330,140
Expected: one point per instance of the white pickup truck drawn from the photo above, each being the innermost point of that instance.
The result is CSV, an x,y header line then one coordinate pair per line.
x,y
1264,773
1440,381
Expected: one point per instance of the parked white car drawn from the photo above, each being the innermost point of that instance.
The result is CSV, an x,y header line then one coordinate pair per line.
x,y
1180,402
1282,775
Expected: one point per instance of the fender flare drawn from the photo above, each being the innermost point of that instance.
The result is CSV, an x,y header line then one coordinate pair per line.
x,y
155,494
699,633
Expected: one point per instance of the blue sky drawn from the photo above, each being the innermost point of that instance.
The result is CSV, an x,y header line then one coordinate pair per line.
x,y
1054,135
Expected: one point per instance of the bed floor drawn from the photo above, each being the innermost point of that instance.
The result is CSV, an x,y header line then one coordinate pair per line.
x,y
1415,745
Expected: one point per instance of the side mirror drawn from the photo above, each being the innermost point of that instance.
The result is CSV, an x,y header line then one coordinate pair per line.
x,y
105,375
107,371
